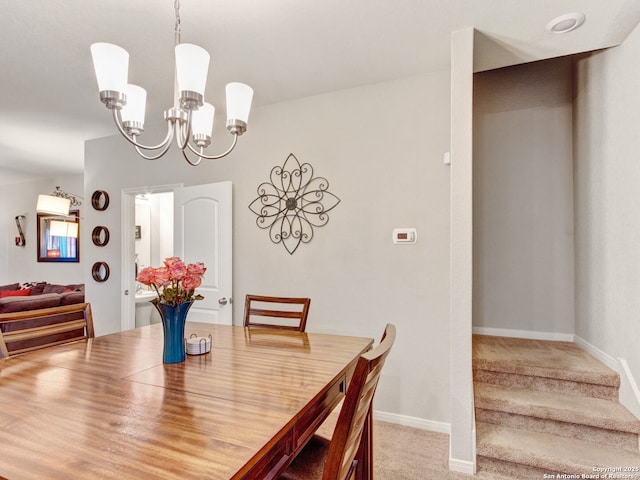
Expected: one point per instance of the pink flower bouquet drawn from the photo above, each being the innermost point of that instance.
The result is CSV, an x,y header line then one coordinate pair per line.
x,y
175,282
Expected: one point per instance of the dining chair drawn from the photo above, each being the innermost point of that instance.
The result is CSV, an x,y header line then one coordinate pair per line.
x,y
34,329
286,313
336,459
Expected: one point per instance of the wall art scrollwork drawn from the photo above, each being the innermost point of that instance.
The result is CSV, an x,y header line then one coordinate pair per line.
x,y
292,203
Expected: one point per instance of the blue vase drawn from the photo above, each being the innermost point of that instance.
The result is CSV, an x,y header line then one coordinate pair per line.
x,y
173,320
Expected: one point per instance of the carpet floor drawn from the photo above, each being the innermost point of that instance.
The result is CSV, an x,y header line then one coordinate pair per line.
x,y
400,453
405,453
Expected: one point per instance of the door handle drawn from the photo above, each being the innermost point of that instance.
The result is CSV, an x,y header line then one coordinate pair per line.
x,y
223,301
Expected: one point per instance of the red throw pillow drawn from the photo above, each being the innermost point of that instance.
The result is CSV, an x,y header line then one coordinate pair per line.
x,y
15,293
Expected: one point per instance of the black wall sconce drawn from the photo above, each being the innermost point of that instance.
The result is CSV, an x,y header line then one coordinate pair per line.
x,y
20,240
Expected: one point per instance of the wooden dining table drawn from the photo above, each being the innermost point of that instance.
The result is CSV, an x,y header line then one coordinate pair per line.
x,y
109,408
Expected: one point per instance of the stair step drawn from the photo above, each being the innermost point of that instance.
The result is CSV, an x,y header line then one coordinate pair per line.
x,y
487,475
542,358
569,416
590,411
545,453
542,365
543,384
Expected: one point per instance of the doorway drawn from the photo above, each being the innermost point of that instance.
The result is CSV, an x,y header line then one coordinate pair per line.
x,y
201,232
153,233
129,233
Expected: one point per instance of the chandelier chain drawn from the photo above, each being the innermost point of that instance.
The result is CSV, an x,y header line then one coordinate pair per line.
x,y
176,6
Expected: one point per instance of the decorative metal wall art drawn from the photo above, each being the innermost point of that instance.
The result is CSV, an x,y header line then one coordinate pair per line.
x,y
292,203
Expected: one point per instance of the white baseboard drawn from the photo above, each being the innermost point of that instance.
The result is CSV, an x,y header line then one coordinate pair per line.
x,y
415,422
605,358
527,334
456,465
629,392
462,466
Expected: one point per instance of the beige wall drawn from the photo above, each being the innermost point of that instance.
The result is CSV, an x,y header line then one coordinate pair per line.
x,y
381,148
523,198
18,264
607,200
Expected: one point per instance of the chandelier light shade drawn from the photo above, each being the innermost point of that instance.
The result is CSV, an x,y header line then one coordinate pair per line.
x,y
189,120
239,98
202,125
132,113
192,68
111,64
53,205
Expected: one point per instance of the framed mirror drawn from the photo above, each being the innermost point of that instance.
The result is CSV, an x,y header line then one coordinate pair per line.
x,y
58,237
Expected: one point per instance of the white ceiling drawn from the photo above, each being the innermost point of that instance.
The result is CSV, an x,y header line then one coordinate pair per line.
x,y
285,49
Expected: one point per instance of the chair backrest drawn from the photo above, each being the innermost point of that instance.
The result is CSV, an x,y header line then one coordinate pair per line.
x,y
340,462
276,312
34,329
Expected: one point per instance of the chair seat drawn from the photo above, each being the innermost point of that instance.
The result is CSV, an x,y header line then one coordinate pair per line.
x,y
309,464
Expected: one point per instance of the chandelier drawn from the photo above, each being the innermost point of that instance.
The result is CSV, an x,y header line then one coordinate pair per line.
x,y
190,120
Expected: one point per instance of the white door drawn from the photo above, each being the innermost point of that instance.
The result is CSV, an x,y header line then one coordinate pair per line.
x,y
202,233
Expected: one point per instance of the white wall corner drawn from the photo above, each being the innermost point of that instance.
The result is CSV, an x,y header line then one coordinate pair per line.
x,y
629,392
464,466
461,440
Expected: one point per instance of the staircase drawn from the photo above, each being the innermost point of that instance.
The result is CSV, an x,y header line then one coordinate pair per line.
x,y
545,407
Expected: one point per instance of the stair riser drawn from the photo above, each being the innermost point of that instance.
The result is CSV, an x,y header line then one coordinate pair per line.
x,y
543,384
618,439
509,469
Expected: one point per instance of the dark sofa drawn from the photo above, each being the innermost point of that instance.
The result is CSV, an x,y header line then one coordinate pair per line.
x,y
40,295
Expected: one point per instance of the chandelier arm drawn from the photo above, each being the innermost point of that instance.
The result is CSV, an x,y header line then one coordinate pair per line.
x,y
201,153
182,133
152,157
164,144
186,157
187,130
